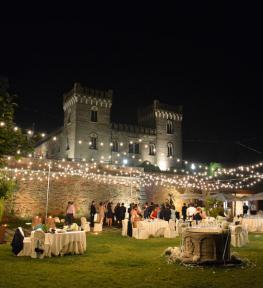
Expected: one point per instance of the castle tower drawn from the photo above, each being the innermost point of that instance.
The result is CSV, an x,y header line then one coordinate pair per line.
x,y
87,123
168,121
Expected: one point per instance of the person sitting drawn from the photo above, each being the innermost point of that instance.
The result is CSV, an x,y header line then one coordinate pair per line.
x,y
198,215
36,221
154,213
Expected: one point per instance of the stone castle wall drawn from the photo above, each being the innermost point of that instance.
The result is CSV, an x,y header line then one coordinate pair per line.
x,y
30,198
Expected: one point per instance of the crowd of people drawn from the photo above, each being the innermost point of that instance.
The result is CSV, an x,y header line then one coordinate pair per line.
x,y
105,214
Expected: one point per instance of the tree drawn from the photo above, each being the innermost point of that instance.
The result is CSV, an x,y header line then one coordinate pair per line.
x,y
12,140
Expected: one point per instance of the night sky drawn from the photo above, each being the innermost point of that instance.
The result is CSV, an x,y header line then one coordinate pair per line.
x,y
205,56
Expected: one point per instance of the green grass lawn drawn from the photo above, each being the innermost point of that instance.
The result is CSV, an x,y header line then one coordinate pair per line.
x,y
114,261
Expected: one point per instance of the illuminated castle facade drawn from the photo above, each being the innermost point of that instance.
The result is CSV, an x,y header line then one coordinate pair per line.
x,y
88,134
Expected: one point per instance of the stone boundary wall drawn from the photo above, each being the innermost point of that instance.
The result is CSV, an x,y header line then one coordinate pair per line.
x,y
30,198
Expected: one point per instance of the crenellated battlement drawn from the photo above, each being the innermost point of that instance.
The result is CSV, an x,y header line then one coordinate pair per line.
x,y
165,111
133,129
85,95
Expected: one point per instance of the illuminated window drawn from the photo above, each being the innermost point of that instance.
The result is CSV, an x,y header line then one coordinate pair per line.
x,y
115,146
170,129
93,141
94,114
170,149
152,149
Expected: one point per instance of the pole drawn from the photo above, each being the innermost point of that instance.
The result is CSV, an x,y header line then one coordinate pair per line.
x,y
131,184
48,185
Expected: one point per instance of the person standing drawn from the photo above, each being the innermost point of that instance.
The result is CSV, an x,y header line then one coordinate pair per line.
x,y
101,212
245,209
191,210
167,212
173,213
117,214
109,214
122,211
70,213
184,209
92,213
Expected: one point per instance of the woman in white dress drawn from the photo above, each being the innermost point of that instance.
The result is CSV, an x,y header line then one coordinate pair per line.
x,y
173,211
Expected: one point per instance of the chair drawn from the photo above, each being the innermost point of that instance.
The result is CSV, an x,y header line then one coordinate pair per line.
x,y
239,236
85,225
170,232
97,227
38,244
26,251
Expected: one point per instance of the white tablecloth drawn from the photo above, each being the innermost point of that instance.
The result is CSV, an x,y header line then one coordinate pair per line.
x,y
153,228
253,224
66,243
57,244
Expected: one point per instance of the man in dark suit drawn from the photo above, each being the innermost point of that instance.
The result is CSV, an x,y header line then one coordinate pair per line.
x,y
92,213
167,213
184,208
122,211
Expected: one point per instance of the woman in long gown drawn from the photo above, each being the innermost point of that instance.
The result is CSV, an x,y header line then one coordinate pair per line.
x,y
101,212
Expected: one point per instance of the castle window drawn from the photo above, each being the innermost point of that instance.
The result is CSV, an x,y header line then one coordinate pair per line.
x,y
170,149
134,148
115,146
131,148
170,128
67,147
94,114
152,150
93,141
69,118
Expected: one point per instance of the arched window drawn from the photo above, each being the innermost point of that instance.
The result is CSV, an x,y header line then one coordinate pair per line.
x,y
69,118
67,145
115,146
170,128
170,150
93,141
94,114
152,149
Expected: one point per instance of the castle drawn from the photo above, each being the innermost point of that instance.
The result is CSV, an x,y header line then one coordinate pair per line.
x,y
88,134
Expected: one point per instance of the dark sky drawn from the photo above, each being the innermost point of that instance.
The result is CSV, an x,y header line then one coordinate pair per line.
x,y
205,56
